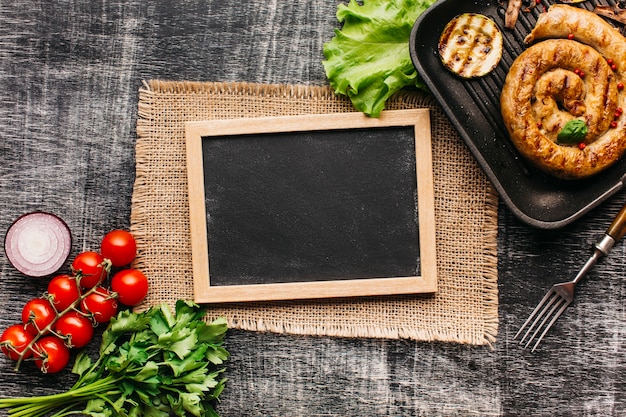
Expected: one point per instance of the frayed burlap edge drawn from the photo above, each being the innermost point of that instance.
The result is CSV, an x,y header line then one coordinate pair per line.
x,y
464,310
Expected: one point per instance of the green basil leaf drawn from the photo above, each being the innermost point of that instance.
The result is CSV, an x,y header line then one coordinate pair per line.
x,y
574,131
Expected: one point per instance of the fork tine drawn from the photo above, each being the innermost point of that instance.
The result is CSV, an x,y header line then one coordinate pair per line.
x,y
546,311
564,305
556,302
534,314
561,295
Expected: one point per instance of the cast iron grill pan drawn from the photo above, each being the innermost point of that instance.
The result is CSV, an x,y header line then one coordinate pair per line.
x,y
473,107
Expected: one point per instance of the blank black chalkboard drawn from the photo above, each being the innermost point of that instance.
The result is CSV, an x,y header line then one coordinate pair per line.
x,y
311,206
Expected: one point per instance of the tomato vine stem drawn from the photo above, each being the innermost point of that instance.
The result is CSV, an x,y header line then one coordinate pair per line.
x,y
75,306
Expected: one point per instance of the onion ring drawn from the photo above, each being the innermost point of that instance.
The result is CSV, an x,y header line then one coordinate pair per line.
x,y
38,244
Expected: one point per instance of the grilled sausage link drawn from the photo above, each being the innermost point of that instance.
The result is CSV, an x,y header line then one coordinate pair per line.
x,y
560,79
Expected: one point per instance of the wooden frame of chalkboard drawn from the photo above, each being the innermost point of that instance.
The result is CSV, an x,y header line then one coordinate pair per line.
x,y
312,206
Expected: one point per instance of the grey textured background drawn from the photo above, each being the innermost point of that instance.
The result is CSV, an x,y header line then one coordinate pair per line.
x,y
69,76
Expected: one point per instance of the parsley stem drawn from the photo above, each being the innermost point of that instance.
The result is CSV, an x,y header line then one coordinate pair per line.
x,y
148,358
41,405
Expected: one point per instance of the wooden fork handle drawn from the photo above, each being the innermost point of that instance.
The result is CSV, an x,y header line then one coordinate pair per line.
x,y
617,229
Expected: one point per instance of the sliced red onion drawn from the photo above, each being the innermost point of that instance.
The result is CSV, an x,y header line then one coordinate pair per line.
x,y
38,244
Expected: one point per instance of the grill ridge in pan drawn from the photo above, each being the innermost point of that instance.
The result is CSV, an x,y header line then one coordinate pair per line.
x,y
473,108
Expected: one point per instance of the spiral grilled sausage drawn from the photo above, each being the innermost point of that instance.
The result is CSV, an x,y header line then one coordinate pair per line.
x,y
560,79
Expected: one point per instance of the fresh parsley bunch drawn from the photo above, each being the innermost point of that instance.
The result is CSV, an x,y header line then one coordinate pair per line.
x,y
154,363
368,60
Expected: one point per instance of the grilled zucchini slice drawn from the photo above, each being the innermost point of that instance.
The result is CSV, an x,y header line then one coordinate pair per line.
x,y
470,45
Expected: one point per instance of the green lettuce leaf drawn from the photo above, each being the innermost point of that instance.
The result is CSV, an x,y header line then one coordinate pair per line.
x,y
368,60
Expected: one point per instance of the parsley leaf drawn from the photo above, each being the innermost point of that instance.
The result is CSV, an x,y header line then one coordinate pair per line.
x,y
152,364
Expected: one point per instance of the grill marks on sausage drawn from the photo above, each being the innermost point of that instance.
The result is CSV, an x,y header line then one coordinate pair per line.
x,y
602,91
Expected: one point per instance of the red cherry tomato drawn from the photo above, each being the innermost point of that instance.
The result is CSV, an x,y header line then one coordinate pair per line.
x,y
75,327
63,292
91,267
14,342
119,247
37,314
51,355
131,286
101,304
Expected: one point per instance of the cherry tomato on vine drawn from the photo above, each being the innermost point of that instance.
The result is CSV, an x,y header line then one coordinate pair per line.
x,y
63,292
101,304
50,354
91,266
37,314
119,247
14,342
75,327
131,286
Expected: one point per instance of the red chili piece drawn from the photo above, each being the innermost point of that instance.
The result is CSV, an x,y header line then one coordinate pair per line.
x,y
613,124
620,86
570,36
582,146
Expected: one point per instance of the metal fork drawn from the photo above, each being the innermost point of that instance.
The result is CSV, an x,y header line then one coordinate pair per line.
x,y
561,295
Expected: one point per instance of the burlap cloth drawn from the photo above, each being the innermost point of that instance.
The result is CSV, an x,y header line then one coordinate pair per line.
x,y
463,310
